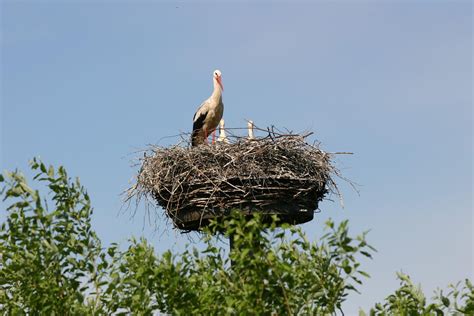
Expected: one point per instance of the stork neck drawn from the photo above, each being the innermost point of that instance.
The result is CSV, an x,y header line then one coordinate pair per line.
x,y
217,93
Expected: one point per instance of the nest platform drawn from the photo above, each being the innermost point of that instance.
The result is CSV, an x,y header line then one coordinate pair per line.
x,y
275,175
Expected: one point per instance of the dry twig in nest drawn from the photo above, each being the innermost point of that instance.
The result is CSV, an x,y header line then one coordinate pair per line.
x,y
276,174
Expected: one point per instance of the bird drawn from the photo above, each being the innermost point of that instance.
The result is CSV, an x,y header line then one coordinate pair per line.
x,y
250,129
222,135
209,114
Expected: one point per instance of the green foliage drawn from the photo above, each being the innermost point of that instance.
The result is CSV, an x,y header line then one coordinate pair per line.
x,y
51,262
285,273
271,272
409,300
47,261
457,301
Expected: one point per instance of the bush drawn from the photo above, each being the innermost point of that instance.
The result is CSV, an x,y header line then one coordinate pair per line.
x,y
48,256
410,300
52,262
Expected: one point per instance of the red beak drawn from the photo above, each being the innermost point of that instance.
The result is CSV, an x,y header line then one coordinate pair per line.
x,y
219,81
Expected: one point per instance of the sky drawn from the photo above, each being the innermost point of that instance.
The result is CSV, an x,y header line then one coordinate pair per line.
x,y
86,84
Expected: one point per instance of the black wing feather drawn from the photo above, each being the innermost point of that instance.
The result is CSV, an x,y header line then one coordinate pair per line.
x,y
198,123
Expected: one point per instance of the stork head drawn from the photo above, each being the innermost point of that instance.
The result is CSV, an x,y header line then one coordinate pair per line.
x,y
218,78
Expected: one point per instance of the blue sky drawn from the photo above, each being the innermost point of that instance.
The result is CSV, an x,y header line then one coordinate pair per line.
x,y
87,83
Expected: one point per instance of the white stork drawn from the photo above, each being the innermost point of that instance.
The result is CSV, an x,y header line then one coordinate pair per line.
x,y
250,129
222,135
209,114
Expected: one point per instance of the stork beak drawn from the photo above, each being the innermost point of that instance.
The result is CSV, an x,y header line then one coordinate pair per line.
x,y
219,81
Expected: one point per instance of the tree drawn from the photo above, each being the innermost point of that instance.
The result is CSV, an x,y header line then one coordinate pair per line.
x,y
47,257
410,300
271,272
52,262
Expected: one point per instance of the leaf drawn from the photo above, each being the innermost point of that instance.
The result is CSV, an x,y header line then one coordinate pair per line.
x,y
26,188
445,301
329,223
362,313
51,172
364,274
14,192
132,282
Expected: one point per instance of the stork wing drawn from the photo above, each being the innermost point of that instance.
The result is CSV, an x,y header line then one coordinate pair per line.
x,y
200,116
198,121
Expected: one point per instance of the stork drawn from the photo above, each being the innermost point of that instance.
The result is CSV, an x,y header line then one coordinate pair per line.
x,y
209,114
250,129
222,135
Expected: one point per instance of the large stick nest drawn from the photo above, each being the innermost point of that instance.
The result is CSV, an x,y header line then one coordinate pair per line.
x,y
277,174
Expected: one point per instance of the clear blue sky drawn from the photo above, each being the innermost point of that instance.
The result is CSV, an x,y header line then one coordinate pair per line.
x,y
86,83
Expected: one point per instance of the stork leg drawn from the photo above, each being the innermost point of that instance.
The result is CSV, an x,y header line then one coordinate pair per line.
x,y
205,136
214,137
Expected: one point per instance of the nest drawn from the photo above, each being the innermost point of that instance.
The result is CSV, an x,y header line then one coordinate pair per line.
x,y
278,174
